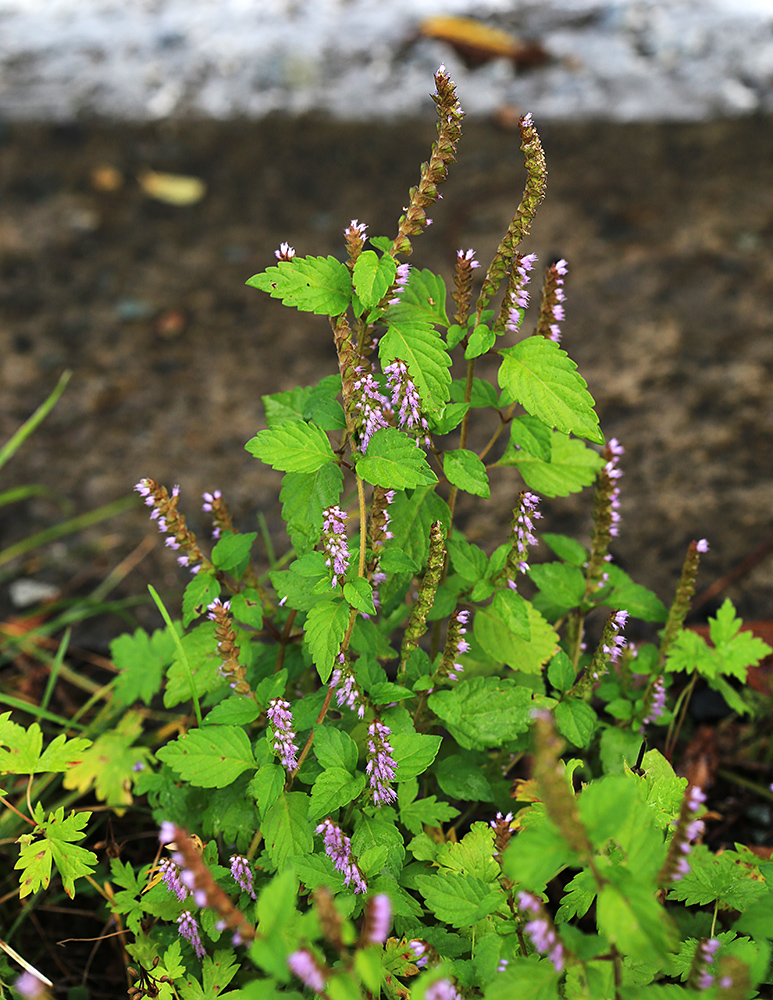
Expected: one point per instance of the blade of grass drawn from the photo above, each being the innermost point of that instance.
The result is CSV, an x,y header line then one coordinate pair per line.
x,y
180,650
37,712
66,528
17,440
56,666
33,490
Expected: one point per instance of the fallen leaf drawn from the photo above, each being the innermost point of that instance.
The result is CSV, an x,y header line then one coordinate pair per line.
x,y
174,189
478,43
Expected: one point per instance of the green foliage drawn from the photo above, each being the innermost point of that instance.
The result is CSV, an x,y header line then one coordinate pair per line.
x,y
366,741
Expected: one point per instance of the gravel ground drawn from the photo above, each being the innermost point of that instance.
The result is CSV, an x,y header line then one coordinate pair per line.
x,y
623,60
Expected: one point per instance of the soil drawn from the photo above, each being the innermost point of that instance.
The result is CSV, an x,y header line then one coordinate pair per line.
x,y
667,230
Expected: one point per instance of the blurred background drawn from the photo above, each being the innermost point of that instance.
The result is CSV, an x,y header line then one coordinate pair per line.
x,y
154,154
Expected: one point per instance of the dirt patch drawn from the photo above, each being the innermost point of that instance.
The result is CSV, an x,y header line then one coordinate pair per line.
x,y
667,230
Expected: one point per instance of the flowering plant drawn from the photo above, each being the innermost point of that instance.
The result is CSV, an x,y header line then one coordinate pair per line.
x,y
362,713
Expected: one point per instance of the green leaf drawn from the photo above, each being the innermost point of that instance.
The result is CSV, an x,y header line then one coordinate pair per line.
x,y
375,832
209,758
292,447
332,789
464,469
527,979
282,406
536,855
141,659
481,340
57,846
483,712
576,720
545,381
232,552
458,900
426,292
504,645
334,748
412,517
108,765
428,811
267,785
373,276
199,594
571,467
464,779
200,648
723,877
629,915
21,750
315,871
473,855
359,594
322,408
286,829
415,341
320,285
394,462
413,753
563,585
237,710
561,672
448,417
483,392
468,560
632,597
529,434
567,549
325,629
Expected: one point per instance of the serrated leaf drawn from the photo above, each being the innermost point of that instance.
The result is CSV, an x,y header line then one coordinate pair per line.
x,y
267,785
415,341
561,671
567,549
576,720
458,900
468,560
448,417
286,829
527,979
473,855
209,758
413,753
531,435
334,748
57,844
483,712
202,590
325,629
563,585
412,517
320,285
504,645
632,597
334,788
282,406
394,462
21,750
545,381
140,659
629,915
200,649
359,594
238,710
427,811
373,276
481,339
722,877
483,392
110,763
572,466
464,469
294,446
426,291
232,551
375,832
463,779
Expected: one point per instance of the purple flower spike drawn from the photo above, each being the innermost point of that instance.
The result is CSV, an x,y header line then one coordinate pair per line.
x,y
523,536
30,987
370,405
189,929
170,876
406,401
284,737
241,871
702,545
302,964
443,989
285,252
334,541
380,918
381,766
338,848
